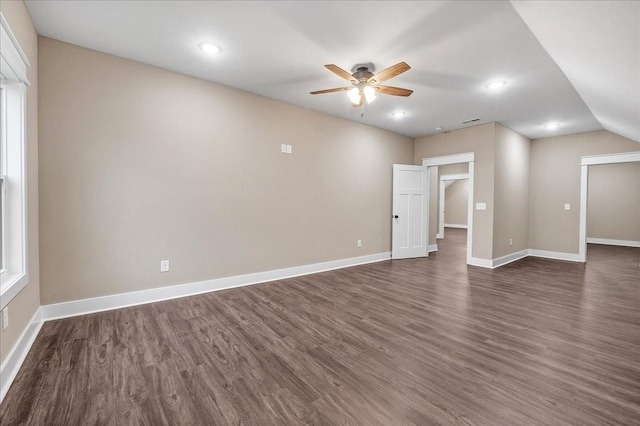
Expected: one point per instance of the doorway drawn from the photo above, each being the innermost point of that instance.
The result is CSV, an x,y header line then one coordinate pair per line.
x,y
627,157
452,201
430,166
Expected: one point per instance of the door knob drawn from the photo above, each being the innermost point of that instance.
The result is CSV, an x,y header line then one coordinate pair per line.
x,y
395,216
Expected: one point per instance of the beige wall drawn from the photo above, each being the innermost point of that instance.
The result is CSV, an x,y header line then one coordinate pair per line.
x,y
24,305
511,198
481,140
456,201
613,206
555,180
139,164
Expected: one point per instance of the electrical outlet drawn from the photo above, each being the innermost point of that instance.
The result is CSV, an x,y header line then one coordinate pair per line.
x,y
567,206
5,318
359,243
510,242
288,149
164,266
283,148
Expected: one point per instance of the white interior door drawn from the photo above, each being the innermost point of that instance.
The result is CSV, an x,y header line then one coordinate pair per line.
x,y
409,230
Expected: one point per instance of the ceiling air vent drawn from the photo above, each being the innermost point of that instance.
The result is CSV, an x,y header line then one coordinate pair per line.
x,y
470,121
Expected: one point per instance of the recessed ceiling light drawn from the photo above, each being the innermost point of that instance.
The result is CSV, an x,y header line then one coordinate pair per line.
x,y
552,126
494,85
210,48
398,114
439,129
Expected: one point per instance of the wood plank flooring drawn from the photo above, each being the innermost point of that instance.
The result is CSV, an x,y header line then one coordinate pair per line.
x,y
424,342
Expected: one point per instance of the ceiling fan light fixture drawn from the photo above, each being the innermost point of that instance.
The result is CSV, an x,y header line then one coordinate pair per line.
x,y
365,83
552,126
398,114
369,94
495,85
210,48
355,96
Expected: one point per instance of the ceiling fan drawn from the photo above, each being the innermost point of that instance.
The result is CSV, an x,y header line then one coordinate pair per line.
x,y
366,83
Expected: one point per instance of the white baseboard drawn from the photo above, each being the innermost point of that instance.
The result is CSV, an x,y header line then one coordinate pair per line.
x,y
123,300
18,353
495,263
432,247
609,242
11,365
482,263
557,255
453,225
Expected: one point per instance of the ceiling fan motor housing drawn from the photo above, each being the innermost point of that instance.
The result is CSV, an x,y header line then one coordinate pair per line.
x,y
362,74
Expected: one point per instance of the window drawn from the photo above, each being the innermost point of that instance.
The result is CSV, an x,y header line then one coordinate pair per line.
x,y
13,183
3,168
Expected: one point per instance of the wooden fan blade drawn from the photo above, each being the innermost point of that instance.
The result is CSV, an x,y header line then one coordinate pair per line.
x,y
342,73
390,72
395,91
339,89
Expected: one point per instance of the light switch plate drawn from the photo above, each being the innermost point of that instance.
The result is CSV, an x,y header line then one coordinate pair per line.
x,y
164,266
288,149
567,206
283,148
481,206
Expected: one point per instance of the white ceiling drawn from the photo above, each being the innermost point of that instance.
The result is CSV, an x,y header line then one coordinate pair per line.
x,y
597,46
278,49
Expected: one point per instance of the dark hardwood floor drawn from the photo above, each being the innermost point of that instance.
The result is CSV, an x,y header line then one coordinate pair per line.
x,y
425,342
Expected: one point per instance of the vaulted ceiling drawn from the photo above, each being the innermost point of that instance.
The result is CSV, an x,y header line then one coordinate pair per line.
x,y
576,63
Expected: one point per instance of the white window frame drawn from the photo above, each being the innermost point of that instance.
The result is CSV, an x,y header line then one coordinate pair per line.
x,y
14,274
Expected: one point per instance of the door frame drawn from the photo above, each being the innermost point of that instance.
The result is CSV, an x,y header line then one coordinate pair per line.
x,y
468,157
585,162
441,199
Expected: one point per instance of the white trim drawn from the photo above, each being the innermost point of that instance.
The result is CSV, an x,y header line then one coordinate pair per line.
x,y
501,261
469,158
470,211
427,193
122,300
432,247
610,242
448,159
512,257
441,201
582,231
482,263
15,358
454,225
13,61
585,162
455,176
557,255
622,157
